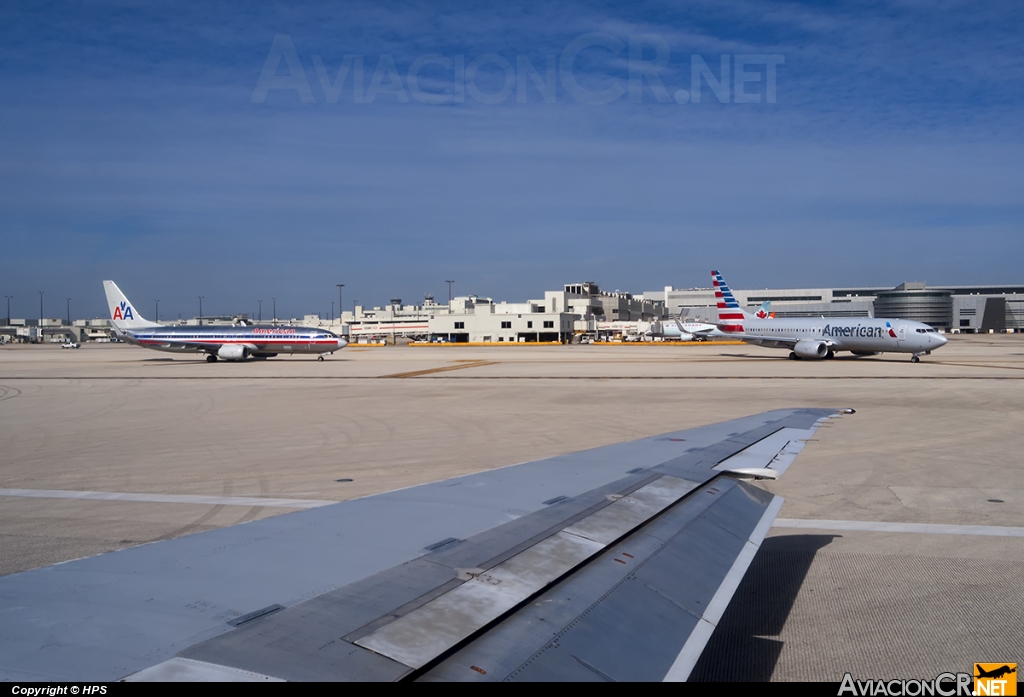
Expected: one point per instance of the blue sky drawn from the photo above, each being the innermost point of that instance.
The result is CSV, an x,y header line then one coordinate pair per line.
x,y
134,150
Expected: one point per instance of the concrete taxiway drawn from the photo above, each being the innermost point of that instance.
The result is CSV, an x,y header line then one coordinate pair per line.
x,y
899,551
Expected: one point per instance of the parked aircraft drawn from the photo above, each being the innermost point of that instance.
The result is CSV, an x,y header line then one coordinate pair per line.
x,y
229,343
678,330
821,337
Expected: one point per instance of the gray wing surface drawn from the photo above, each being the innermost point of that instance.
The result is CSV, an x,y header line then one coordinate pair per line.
x,y
608,564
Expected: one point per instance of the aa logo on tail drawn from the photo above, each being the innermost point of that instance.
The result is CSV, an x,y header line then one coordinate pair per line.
x,y
123,311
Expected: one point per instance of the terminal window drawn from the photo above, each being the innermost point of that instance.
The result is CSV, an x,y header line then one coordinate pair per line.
x,y
529,325
506,325
460,325
549,324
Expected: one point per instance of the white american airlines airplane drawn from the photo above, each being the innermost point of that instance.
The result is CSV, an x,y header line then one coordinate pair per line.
x,y
229,343
809,337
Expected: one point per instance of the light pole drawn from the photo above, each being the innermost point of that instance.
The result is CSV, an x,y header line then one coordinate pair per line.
x,y
201,309
394,302
449,296
157,311
8,309
39,334
275,311
260,319
69,311
332,312
341,308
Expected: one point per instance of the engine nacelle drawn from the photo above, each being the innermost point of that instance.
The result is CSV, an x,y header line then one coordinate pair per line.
x,y
807,348
232,352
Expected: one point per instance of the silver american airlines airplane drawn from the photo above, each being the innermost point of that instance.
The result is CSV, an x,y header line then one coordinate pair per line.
x,y
229,343
822,337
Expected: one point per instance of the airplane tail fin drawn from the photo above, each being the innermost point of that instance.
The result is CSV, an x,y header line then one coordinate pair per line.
x,y
730,314
122,314
765,311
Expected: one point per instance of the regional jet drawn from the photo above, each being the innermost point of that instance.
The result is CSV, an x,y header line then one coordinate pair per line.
x,y
229,343
822,337
679,330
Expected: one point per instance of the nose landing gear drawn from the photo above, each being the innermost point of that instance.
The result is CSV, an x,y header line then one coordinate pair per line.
x,y
319,358
916,358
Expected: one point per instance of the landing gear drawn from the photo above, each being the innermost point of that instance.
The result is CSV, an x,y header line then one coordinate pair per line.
x,y
793,356
915,358
830,354
319,358
211,358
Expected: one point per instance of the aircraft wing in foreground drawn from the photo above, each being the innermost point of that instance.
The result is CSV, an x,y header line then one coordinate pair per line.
x,y
608,564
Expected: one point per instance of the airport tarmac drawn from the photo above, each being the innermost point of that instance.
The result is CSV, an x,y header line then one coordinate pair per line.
x,y
899,551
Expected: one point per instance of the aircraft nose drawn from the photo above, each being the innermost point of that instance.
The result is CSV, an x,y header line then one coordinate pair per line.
x,y
942,340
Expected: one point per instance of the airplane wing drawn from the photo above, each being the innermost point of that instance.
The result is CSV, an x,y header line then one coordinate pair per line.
x,y
179,343
164,343
768,342
608,564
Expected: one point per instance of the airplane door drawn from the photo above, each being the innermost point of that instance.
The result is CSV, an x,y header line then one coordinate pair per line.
x,y
901,335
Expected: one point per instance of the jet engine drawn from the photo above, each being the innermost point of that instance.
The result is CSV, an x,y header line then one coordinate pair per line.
x,y
232,352
807,348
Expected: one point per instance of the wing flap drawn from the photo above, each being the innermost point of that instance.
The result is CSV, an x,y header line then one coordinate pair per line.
x,y
430,630
639,611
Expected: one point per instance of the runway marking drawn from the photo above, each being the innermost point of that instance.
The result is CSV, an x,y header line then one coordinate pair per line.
x,y
165,498
730,377
327,378
976,365
920,528
443,369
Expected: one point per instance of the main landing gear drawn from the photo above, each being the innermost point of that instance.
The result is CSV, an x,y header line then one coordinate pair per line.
x,y
211,358
793,356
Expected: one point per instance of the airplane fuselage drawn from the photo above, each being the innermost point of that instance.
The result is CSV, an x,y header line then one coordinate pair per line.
x,y
686,331
256,340
863,335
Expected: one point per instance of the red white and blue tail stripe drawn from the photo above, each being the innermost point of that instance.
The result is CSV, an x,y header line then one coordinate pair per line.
x,y
730,314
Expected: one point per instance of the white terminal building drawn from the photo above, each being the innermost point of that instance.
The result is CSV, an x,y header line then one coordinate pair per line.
x,y
557,317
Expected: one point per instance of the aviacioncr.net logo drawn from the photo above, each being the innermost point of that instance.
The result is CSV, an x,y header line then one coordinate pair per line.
x,y
944,685
995,679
